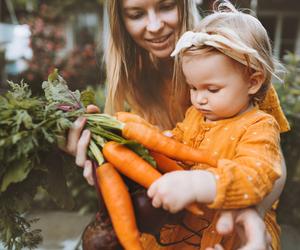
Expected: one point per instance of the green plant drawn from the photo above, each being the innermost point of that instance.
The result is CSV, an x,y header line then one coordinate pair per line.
x,y
289,94
30,129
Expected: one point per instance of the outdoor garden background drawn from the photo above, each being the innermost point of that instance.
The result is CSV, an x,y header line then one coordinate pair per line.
x,y
38,36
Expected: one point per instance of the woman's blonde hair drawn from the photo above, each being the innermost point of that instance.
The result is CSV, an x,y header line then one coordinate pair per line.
x,y
244,30
133,75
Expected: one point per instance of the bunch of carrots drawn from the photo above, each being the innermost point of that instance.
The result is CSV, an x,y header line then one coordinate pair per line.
x,y
115,158
119,144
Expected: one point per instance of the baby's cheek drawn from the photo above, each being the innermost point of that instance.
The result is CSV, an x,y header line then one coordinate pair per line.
x,y
192,96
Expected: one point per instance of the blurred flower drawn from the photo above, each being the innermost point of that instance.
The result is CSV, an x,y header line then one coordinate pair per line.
x,y
79,67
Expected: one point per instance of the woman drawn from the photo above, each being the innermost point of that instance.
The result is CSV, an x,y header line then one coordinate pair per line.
x,y
142,75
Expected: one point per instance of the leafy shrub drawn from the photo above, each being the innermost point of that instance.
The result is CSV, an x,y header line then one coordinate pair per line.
x,y
289,94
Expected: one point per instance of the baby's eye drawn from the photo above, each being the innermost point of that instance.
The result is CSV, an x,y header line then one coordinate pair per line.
x,y
192,87
213,90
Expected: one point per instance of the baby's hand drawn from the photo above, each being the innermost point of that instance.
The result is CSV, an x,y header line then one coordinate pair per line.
x,y
173,191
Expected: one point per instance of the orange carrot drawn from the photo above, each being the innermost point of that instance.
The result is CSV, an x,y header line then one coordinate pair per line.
x,y
155,141
164,163
119,205
135,168
130,117
130,164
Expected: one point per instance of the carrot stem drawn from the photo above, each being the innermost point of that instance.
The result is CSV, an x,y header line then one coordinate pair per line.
x,y
105,121
96,152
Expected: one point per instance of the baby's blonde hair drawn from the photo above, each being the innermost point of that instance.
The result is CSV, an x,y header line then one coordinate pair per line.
x,y
246,30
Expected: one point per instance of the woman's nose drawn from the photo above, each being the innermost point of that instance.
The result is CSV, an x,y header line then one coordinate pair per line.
x,y
155,23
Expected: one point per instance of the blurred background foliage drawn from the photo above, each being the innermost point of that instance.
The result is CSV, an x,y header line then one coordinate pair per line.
x,y
63,37
67,35
79,65
289,93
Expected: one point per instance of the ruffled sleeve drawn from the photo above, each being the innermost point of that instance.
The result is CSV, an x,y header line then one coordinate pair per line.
x,y
178,131
247,178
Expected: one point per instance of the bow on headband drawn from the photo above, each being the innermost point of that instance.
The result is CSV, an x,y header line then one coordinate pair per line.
x,y
235,50
188,39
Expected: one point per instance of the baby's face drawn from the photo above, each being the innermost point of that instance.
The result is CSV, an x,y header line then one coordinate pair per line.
x,y
219,86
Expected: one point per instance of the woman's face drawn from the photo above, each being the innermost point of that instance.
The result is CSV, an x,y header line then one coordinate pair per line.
x,y
152,24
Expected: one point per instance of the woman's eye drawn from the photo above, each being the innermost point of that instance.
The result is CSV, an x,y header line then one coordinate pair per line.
x,y
135,15
167,5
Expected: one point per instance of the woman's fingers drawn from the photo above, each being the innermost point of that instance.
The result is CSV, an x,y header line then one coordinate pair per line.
x,y
225,223
78,142
82,146
216,247
250,227
92,109
254,230
88,172
74,135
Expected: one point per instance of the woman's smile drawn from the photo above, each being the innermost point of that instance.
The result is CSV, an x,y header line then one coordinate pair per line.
x,y
161,42
159,39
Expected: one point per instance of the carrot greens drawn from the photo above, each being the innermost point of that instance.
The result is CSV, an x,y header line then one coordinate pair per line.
x,y
31,128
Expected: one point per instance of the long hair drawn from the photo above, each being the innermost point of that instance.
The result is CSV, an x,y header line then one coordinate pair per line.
x,y
133,75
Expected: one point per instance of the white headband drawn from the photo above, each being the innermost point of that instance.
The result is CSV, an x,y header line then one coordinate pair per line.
x,y
235,50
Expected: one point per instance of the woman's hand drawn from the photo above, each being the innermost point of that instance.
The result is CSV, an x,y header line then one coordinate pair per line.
x,y
250,227
77,144
249,221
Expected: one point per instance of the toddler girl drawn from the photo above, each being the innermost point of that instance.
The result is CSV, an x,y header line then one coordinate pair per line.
x,y
228,64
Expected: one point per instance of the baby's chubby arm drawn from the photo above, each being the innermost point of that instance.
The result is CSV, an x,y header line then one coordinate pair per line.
x,y
174,191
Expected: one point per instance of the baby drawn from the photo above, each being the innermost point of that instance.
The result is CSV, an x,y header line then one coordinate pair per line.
x,y
228,64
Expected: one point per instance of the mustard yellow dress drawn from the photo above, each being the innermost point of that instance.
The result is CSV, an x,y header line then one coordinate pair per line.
x,y
248,150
